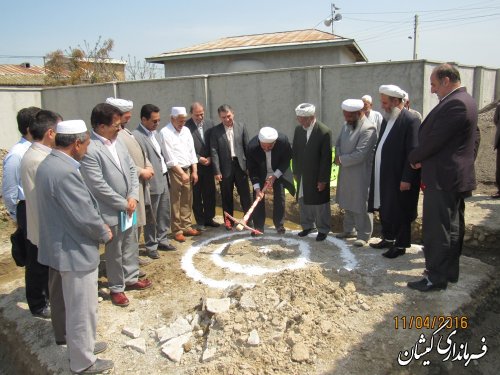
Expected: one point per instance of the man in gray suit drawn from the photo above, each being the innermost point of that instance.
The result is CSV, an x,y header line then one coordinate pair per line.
x,y
69,241
110,174
228,143
158,223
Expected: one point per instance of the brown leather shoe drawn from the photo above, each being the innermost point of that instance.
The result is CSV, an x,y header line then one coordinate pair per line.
x,y
140,285
119,299
179,237
192,232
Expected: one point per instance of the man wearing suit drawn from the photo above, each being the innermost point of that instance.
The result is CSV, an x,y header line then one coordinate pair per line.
x,y
69,241
153,145
445,152
228,144
110,174
311,165
354,155
496,146
269,154
395,185
143,166
204,190
47,281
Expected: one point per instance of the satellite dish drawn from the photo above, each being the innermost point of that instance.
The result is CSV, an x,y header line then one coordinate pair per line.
x,y
328,21
338,17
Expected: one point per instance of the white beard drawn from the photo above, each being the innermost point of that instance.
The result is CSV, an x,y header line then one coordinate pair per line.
x,y
394,113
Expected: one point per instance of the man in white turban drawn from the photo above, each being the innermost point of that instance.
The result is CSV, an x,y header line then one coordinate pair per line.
x,y
395,185
268,161
354,154
311,164
374,116
144,168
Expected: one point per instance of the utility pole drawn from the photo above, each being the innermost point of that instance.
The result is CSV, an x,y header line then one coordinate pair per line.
x,y
415,38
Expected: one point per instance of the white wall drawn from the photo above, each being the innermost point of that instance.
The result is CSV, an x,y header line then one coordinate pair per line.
x,y
13,99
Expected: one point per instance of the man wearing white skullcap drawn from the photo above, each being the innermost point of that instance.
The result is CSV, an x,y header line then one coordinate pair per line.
x,y
69,242
395,185
143,166
182,166
268,160
311,164
374,116
109,172
354,155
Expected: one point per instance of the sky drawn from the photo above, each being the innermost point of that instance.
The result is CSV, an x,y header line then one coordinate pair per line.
x,y
462,31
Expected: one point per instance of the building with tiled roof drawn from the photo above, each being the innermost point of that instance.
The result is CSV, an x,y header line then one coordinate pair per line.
x,y
285,49
22,75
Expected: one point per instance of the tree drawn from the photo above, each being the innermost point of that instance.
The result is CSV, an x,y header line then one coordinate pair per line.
x,y
140,70
87,64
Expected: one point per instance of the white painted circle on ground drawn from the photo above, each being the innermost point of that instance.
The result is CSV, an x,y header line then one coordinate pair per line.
x,y
301,261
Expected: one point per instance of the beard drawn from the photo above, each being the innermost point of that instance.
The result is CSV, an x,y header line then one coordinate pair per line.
x,y
393,113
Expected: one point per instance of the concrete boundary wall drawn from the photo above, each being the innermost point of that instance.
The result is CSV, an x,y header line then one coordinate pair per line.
x,y
269,97
12,99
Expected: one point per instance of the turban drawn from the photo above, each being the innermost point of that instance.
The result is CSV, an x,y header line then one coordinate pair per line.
x,y
305,110
268,135
71,127
178,111
367,98
122,104
391,90
352,105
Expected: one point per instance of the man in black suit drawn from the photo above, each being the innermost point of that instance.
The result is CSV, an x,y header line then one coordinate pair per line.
x,y
447,140
395,185
228,143
312,164
204,190
269,155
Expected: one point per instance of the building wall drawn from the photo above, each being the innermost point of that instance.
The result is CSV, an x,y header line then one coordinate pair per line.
x,y
264,97
259,61
13,99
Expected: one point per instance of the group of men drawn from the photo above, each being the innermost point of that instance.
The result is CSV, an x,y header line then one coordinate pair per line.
x,y
383,168
105,185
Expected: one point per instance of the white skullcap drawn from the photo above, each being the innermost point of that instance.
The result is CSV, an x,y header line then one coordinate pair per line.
x,y
178,111
268,134
391,90
367,98
305,110
122,104
352,105
71,127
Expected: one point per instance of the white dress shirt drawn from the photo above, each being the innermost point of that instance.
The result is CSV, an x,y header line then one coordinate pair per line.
x,y
180,146
156,145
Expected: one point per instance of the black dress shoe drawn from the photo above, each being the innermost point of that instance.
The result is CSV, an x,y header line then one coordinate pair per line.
x,y
425,285
167,247
321,236
305,232
382,244
394,252
153,254
281,230
212,224
44,313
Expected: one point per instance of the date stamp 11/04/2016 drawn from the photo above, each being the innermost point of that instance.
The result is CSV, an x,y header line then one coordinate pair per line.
x,y
430,322
444,345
